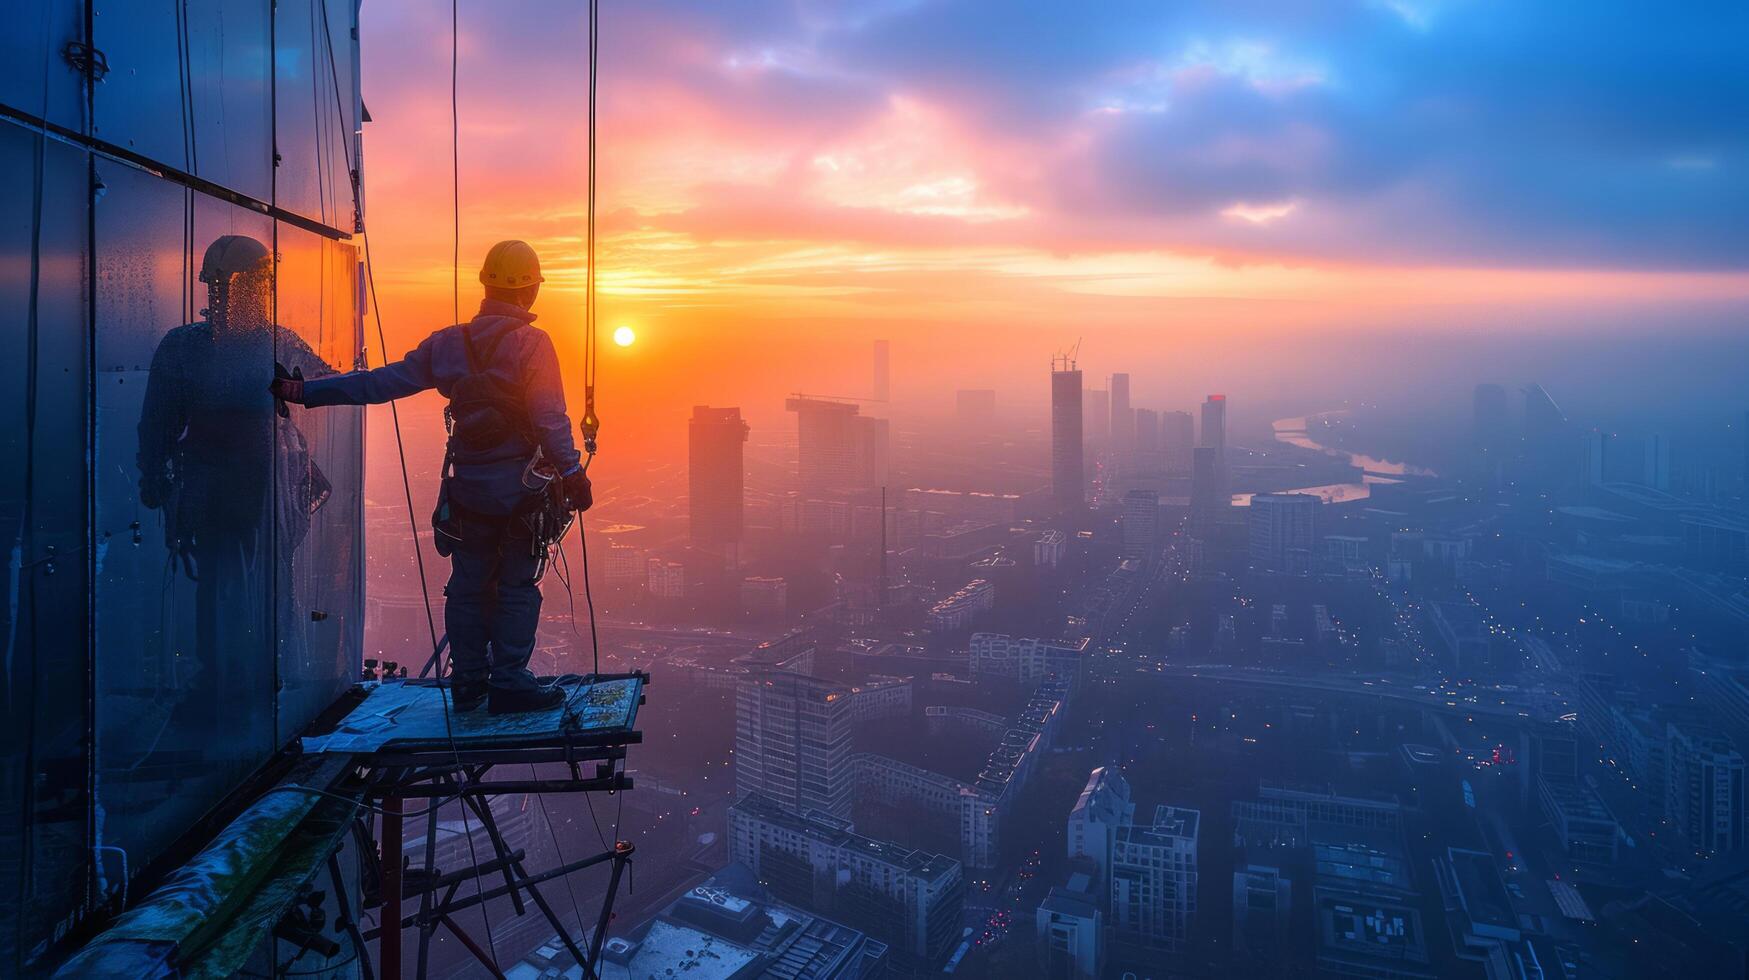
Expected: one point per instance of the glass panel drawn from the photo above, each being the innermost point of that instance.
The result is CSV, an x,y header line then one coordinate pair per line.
x,y
42,513
225,47
141,103
342,40
34,75
185,446
320,505
231,88
313,173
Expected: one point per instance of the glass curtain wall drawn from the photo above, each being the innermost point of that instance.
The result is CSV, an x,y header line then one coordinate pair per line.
x,y
183,577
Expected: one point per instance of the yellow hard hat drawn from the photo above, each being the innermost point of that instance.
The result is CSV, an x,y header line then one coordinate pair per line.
x,y
511,265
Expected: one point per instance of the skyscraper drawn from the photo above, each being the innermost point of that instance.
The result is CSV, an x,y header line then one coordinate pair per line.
x,y
1207,498
1214,426
871,437
1141,525
826,443
1283,531
1177,439
792,742
1096,413
1123,420
1068,467
1147,430
714,477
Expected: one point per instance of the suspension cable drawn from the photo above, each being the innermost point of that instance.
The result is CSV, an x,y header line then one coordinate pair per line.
x,y
377,313
455,172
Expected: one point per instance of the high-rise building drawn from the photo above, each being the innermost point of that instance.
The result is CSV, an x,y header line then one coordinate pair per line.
x,y
882,366
1177,439
1153,879
1123,418
665,579
1141,524
714,477
1208,498
1103,807
792,742
826,444
1147,430
1704,789
871,441
1214,426
1283,531
1096,413
910,900
1068,465
975,408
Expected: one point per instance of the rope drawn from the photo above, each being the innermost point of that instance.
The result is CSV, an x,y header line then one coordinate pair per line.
x,y
455,157
382,341
395,415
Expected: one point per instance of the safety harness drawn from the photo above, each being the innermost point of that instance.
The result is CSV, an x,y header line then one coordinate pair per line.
x,y
485,412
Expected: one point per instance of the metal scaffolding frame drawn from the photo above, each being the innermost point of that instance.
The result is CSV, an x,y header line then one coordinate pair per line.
x,y
456,770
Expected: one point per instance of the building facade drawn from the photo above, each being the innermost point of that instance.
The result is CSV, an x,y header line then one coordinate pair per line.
x,y
1704,792
715,478
1283,532
1068,461
186,587
792,742
1141,525
910,900
1154,879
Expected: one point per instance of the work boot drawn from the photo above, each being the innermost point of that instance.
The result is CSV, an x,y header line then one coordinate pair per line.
x,y
516,701
467,695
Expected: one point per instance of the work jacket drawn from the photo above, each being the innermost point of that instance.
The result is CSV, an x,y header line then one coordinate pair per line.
x,y
488,482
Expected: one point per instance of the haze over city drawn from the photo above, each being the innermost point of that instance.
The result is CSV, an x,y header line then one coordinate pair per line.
x,y
1092,492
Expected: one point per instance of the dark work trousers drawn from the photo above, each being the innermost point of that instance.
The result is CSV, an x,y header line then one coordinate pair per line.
x,y
492,602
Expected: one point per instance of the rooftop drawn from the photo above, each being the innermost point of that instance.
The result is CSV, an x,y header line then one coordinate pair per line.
x,y
841,833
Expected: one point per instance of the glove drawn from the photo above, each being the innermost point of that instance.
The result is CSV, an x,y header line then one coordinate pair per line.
x,y
287,387
578,494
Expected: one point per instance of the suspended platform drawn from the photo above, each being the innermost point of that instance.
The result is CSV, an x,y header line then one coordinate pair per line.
x,y
394,750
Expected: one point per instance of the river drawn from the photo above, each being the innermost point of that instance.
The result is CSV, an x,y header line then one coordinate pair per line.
x,y
1373,470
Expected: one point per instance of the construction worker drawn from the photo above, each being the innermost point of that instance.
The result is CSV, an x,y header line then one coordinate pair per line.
x,y
213,458
509,435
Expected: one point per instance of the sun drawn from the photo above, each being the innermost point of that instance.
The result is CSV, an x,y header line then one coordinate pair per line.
x,y
624,336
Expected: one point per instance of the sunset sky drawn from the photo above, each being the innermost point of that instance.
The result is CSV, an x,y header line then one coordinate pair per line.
x,y
986,182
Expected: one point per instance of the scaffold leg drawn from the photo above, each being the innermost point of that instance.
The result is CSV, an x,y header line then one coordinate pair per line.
x,y
389,948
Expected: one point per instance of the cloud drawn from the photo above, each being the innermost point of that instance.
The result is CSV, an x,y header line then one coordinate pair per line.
x,y
1247,133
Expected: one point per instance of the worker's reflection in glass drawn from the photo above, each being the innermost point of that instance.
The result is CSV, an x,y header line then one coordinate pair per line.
x,y
510,439
214,458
